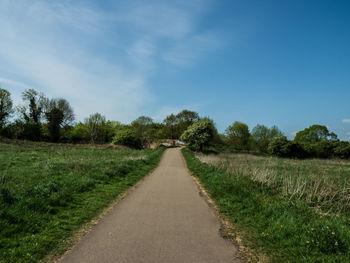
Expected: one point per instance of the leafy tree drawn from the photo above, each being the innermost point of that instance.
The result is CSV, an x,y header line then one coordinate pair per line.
x,y
276,146
314,134
281,147
262,136
5,107
184,119
143,127
317,141
33,109
238,135
95,127
170,126
32,113
157,131
200,134
187,116
175,125
111,128
275,132
58,113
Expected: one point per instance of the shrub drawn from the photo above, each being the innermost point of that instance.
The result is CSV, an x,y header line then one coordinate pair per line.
x,y
281,147
127,137
342,149
321,149
294,150
79,133
276,146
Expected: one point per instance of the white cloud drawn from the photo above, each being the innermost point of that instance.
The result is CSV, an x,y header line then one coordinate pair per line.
x,y
346,121
98,60
160,20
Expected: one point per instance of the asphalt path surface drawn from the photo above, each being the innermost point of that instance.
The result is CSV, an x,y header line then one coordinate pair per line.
x,y
164,219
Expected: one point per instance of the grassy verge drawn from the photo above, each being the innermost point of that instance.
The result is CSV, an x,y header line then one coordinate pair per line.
x,y
49,191
285,229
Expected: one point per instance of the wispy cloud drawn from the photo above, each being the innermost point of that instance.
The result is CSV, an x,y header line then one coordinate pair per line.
x,y
346,121
188,51
100,60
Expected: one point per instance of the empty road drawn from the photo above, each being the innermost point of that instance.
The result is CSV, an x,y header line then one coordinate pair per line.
x,y
163,220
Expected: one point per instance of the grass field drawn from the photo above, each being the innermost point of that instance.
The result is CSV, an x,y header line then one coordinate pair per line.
x,y
289,210
48,191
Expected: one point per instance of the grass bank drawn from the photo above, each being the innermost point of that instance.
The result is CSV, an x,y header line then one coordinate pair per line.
x,y
286,227
49,191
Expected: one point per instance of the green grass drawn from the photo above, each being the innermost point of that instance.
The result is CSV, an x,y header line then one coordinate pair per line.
x,y
49,191
284,227
323,184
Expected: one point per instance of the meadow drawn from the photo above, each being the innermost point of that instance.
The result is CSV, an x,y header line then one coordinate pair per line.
x,y
49,191
284,210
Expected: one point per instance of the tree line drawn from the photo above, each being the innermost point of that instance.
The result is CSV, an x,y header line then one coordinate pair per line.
x,y
44,119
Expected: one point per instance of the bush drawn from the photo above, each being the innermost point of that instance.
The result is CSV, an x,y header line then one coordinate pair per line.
x,y
294,150
342,150
127,137
276,146
321,149
79,133
281,147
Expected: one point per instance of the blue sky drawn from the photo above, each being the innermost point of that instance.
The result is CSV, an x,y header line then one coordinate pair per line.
x,y
283,63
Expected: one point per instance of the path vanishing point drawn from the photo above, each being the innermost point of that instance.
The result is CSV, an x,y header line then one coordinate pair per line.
x,y
164,219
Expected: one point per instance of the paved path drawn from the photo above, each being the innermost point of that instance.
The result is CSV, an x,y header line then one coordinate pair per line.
x,y
163,220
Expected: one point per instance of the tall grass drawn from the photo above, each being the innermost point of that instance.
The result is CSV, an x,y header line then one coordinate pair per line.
x,y
48,191
271,212
324,184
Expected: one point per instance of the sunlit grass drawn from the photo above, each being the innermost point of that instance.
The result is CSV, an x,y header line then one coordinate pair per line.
x,y
48,191
274,206
324,184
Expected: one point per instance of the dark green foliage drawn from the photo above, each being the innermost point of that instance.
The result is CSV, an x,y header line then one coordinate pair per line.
x,y
238,136
317,141
185,118
58,113
315,134
284,229
142,127
342,149
170,127
320,149
127,137
313,142
281,147
55,118
6,107
294,149
263,135
48,191
176,125
276,146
